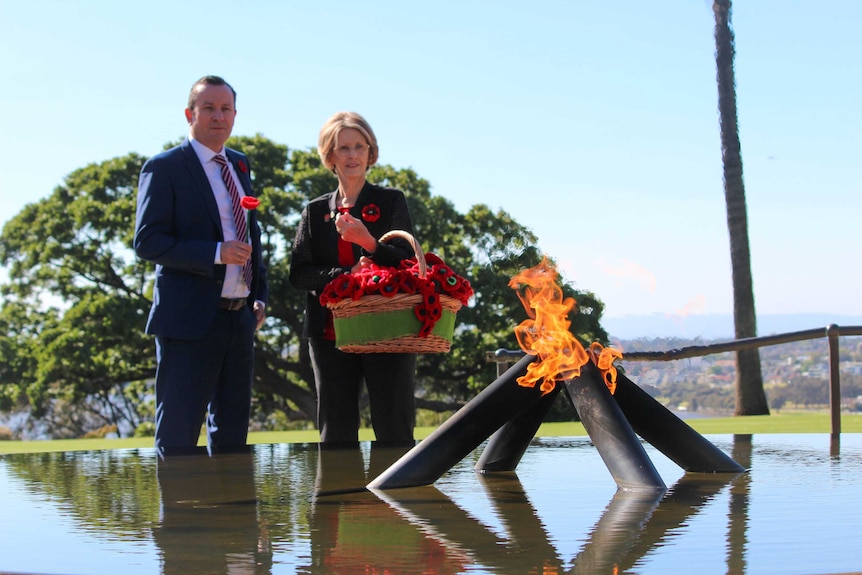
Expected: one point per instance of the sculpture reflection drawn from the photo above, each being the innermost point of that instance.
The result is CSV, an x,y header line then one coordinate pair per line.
x,y
637,525
351,532
633,524
527,548
208,517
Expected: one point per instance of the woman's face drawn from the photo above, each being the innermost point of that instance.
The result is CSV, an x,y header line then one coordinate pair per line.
x,y
350,155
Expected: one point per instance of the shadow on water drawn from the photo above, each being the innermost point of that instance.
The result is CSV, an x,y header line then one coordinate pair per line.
x,y
299,508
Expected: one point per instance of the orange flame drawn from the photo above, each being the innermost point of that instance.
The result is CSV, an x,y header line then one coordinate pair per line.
x,y
604,358
546,333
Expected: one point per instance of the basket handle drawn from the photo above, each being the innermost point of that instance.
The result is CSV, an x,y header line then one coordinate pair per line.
x,y
417,249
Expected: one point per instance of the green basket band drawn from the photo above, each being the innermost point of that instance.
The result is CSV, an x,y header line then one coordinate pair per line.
x,y
385,325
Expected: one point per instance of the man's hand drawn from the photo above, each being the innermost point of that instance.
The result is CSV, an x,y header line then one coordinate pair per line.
x,y
235,252
259,313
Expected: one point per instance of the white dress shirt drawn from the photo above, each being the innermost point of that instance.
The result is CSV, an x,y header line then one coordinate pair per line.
x,y
234,285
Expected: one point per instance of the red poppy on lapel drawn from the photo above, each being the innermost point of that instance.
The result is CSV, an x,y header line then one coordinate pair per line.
x,y
371,213
242,167
249,202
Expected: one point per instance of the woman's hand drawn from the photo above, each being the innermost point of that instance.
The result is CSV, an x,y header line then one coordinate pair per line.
x,y
355,232
363,263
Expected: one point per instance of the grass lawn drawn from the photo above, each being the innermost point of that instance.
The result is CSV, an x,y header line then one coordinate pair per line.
x,y
797,422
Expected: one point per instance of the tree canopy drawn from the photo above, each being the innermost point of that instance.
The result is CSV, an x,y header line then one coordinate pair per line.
x,y
73,352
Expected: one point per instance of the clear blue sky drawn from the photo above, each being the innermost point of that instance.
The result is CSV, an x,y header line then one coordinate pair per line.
x,y
592,123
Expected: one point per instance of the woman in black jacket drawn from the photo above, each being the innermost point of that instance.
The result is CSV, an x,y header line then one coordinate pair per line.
x,y
339,233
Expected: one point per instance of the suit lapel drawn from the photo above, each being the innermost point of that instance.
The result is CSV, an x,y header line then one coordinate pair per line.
x,y
203,184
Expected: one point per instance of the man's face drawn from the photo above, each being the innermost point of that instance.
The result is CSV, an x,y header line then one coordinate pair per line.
x,y
211,118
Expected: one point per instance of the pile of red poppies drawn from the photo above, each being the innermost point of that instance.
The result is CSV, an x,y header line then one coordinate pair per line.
x,y
439,280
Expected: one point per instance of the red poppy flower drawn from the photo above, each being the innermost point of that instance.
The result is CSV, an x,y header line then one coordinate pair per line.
x,y
426,329
435,313
371,283
249,202
343,285
408,283
442,271
462,291
242,167
433,259
329,295
388,285
432,302
371,213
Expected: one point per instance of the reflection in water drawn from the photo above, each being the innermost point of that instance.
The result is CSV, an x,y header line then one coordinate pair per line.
x,y
208,521
835,445
617,533
432,512
738,512
526,536
351,532
687,498
633,523
303,509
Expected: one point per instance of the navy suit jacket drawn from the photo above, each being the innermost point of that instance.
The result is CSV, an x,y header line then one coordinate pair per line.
x,y
178,227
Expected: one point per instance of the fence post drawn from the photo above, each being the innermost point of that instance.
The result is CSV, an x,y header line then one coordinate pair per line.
x,y
832,332
504,358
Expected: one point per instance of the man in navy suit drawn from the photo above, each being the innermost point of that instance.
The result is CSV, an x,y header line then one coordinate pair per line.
x,y
205,313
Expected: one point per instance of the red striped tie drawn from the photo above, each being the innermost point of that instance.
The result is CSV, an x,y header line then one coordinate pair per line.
x,y
238,212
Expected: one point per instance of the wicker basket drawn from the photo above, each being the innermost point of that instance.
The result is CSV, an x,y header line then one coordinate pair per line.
x,y
387,324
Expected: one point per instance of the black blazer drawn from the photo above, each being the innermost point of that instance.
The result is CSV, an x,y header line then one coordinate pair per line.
x,y
314,259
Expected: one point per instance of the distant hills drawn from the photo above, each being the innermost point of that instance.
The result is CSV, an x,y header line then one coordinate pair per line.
x,y
717,326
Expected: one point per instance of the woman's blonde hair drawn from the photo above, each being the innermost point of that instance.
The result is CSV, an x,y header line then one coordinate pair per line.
x,y
333,126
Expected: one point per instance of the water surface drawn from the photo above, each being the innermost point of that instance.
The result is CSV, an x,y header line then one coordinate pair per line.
x,y
290,508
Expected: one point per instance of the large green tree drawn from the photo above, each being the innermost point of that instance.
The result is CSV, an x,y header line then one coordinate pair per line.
x,y
750,396
71,349
72,345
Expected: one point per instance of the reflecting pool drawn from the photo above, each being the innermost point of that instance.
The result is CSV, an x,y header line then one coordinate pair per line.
x,y
292,508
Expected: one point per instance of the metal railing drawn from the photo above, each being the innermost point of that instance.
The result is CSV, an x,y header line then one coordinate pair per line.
x,y
504,357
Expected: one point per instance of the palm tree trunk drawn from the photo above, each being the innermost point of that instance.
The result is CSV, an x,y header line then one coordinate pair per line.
x,y
750,397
